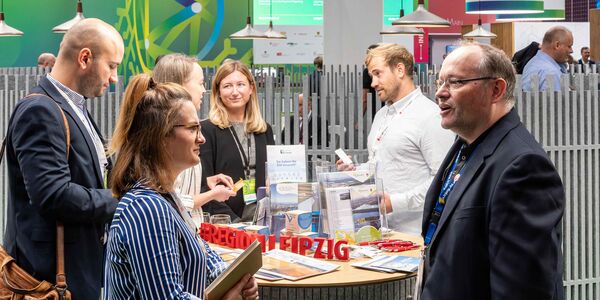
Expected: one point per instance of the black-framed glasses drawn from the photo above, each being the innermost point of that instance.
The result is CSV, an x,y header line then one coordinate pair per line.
x,y
454,83
193,128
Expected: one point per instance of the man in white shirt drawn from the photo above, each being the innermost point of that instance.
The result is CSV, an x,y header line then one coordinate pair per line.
x,y
406,140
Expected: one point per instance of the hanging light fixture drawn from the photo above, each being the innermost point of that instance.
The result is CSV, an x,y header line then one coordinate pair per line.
x,y
421,18
6,30
494,7
62,28
401,30
553,10
479,32
248,32
270,33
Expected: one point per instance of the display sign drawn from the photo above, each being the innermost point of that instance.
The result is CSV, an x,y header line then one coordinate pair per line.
x,y
286,12
421,47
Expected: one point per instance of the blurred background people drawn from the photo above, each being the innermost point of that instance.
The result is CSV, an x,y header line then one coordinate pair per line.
x,y
46,60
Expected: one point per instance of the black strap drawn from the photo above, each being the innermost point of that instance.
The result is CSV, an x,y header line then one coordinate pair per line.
x,y
243,154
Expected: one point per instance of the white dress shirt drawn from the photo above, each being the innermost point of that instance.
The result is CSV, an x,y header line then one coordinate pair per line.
x,y
408,144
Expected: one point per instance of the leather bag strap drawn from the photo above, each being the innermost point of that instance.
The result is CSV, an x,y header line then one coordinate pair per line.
x,y
61,277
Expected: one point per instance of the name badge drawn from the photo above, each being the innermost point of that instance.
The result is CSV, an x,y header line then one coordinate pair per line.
x,y
249,191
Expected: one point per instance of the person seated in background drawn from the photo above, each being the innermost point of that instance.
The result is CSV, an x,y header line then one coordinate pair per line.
x,y
46,60
154,250
236,139
184,70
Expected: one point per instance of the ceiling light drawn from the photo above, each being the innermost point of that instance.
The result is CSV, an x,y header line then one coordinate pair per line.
x,y
64,27
421,18
6,30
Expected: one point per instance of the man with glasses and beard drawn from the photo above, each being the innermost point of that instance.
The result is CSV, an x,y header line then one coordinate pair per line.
x,y
49,183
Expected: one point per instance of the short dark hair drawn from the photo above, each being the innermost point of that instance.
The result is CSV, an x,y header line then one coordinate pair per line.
x,y
318,62
584,48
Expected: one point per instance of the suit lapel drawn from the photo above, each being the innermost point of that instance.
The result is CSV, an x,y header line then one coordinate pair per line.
x,y
475,164
53,93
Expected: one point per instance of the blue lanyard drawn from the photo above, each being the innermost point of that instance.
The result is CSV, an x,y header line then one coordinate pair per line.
x,y
449,184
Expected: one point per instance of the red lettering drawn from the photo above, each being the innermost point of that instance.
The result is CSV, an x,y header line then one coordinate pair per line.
x,y
283,242
319,250
345,253
305,244
294,244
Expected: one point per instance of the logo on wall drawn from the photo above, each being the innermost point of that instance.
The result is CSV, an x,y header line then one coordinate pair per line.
x,y
153,28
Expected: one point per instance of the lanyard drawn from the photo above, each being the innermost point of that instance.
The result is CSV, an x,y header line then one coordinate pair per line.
x,y
447,187
242,153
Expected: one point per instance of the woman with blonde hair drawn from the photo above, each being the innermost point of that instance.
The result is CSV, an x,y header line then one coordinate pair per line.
x,y
153,248
236,138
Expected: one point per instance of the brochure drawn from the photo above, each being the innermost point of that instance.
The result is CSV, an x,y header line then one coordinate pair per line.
x,y
292,266
399,263
249,261
369,264
286,163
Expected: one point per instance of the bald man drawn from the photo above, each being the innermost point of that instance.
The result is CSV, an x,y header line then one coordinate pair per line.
x,y
46,60
550,61
49,183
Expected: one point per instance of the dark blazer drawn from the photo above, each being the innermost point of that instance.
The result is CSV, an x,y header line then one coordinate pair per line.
x,y
309,131
45,187
499,234
220,155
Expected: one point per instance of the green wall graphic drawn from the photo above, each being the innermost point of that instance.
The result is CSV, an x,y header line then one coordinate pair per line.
x,y
149,28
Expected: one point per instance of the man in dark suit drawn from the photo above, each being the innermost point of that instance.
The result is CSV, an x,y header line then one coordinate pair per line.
x,y
492,215
45,186
308,126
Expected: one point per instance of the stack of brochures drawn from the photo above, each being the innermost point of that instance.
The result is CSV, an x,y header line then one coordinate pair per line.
x,y
279,264
390,264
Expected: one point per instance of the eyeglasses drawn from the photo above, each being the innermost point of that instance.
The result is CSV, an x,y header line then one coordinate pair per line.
x,y
193,128
454,83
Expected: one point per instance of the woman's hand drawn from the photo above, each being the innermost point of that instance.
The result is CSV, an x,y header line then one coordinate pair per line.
x,y
213,181
221,193
246,287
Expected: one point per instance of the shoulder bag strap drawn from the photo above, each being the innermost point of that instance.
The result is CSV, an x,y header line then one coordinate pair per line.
x,y
61,277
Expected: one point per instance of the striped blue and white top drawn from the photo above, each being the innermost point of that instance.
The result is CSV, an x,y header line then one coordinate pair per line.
x,y
152,254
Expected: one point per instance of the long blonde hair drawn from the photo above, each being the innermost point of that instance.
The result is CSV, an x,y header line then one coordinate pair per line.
x,y
218,115
147,117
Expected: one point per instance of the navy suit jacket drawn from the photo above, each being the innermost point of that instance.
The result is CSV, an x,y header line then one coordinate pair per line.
x,y
499,234
220,155
44,188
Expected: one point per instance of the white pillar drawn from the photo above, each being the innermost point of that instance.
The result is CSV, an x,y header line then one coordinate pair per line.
x,y
349,27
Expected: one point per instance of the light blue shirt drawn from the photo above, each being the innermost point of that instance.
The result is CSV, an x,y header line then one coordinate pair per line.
x,y
542,65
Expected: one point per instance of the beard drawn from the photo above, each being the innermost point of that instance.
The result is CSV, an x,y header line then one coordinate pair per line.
x,y
90,84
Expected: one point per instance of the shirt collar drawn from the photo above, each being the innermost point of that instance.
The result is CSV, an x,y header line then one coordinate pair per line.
x,y
78,99
398,105
551,60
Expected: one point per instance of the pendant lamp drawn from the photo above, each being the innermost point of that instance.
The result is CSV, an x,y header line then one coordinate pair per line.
x,y
62,28
479,32
421,18
270,33
493,7
401,30
248,32
553,10
6,30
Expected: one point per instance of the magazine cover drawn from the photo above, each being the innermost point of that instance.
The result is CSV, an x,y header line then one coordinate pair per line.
x,y
292,266
352,203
